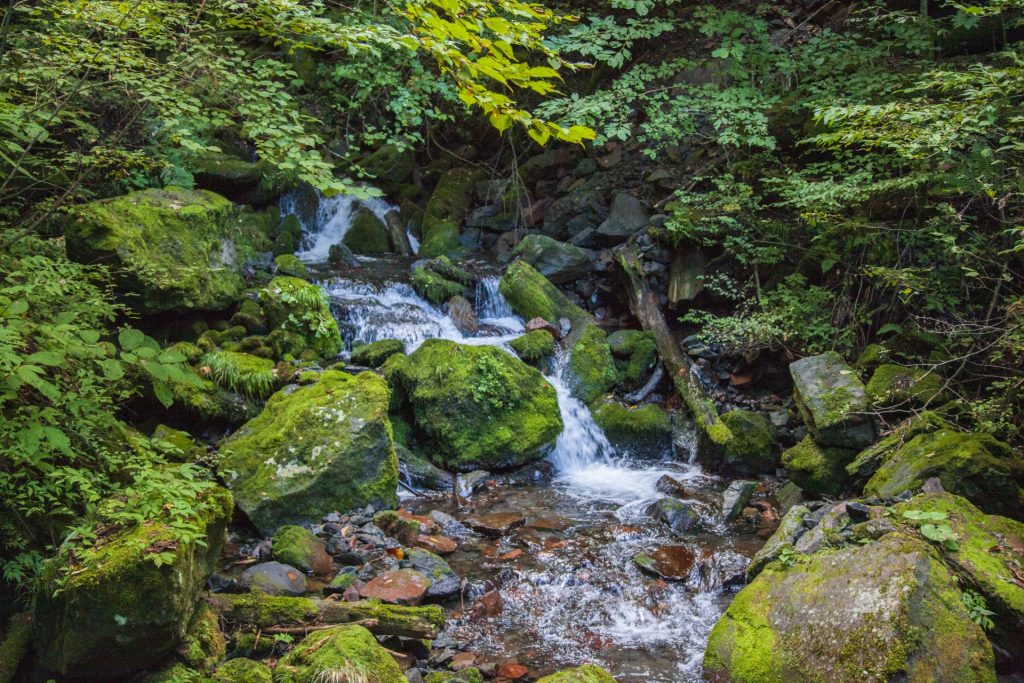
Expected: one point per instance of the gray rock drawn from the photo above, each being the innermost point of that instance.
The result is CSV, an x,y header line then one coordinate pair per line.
x,y
832,401
274,578
462,314
628,215
678,515
450,527
444,583
736,497
790,529
558,261
827,532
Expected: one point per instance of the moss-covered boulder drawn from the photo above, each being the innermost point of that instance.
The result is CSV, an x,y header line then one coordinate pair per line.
x,y
298,307
557,261
169,249
250,316
390,166
832,401
885,611
179,445
299,547
645,427
434,287
976,466
478,406
242,670
870,459
534,347
228,175
785,536
903,387
313,450
342,653
367,234
374,354
120,612
531,295
443,214
289,264
204,645
818,470
242,373
592,365
753,449
206,403
588,673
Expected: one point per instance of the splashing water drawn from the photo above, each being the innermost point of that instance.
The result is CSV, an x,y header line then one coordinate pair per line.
x,y
329,223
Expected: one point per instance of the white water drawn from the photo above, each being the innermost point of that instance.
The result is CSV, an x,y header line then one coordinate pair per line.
x,y
331,221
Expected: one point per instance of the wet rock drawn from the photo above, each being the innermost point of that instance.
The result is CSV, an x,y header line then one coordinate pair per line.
x,y
588,673
495,524
534,347
592,366
671,562
671,486
450,526
885,611
340,256
445,210
536,324
444,583
462,314
341,649
490,604
531,295
300,308
512,671
681,517
298,547
462,660
374,354
274,578
342,582
557,261
399,587
735,498
819,470
832,401
397,527
627,216
441,545
367,234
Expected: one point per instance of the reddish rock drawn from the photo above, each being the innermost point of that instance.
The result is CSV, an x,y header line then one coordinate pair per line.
x,y
548,523
462,314
668,561
427,525
461,661
402,587
513,555
439,545
490,604
671,486
541,324
512,671
495,524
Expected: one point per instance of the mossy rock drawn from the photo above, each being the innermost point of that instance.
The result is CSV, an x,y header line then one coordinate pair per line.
x,y
531,295
872,356
443,266
592,365
445,210
534,347
242,373
785,536
169,249
299,547
207,404
177,673
818,470
898,386
886,611
183,447
120,612
870,459
477,406
315,449
250,316
976,466
298,307
624,342
752,448
367,235
204,645
557,261
588,673
342,653
634,372
241,670
289,264
288,237
646,426
832,401
390,166
470,675
433,287
374,354
226,174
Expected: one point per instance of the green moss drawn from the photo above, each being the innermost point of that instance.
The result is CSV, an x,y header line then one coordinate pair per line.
x,y
624,342
894,385
289,264
403,530
340,653
470,675
641,361
177,673
588,673
976,466
433,287
17,638
181,446
629,422
752,448
289,235
443,266
319,448
216,168
445,210
299,307
241,670
832,401
477,406
190,351
298,547
870,459
816,469
374,354
367,234
531,295
204,645
872,355
169,249
389,164
743,646
243,373
209,404
534,347
267,610
592,365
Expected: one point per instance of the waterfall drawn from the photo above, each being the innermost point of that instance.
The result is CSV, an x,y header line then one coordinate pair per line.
x,y
329,222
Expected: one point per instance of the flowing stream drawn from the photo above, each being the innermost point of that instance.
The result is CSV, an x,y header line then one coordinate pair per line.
x,y
570,590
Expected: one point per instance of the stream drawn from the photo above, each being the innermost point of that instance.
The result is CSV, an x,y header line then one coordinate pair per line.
x,y
570,591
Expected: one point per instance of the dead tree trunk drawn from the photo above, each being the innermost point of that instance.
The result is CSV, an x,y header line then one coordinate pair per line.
x,y
397,233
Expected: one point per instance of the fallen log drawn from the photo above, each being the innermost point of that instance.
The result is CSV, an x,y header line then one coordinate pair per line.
x,y
398,234
643,303
264,611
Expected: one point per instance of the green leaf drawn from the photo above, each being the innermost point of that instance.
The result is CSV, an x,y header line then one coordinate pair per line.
x,y
130,339
163,393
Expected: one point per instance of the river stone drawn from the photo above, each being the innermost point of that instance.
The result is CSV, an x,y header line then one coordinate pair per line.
x,y
531,295
119,612
588,673
478,407
752,449
439,545
788,532
672,562
591,363
241,670
627,216
671,486
818,470
903,387
300,548
274,578
827,532
345,653
885,611
462,314
735,498
445,210
444,583
374,354
867,462
495,524
557,261
299,307
832,401
400,587
681,517
367,235
171,248
318,448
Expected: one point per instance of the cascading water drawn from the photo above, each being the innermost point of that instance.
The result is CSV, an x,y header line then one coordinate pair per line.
x,y
326,226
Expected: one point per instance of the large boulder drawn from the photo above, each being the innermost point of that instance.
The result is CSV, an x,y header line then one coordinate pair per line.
x,y
588,673
646,428
832,401
313,450
885,611
445,210
903,387
591,363
818,470
976,466
367,234
169,249
299,307
531,295
557,261
479,407
342,653
628,215
120,611
867,462
753,449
